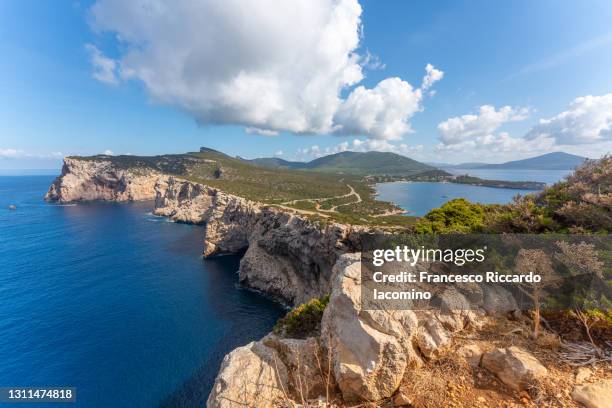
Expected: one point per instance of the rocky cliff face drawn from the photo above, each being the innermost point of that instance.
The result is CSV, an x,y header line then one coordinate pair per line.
x,y
287,256
360,355
87,180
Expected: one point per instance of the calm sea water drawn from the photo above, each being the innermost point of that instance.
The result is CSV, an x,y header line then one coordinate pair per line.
x,y
116,302
545,176
419,198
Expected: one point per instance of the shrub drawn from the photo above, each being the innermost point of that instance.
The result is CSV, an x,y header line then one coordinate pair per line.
x,y
456,216
302,321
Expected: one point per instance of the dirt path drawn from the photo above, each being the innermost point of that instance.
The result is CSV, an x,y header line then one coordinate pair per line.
x,y
320,211
352,193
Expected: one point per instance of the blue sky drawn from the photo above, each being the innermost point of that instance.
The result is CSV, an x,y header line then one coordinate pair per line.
x,y
533,57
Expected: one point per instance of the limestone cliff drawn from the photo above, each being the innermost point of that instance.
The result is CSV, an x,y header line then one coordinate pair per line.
x,y
287,256
99,179
360,355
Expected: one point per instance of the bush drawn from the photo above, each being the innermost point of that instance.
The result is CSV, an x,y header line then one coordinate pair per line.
x,y
302,321
456,216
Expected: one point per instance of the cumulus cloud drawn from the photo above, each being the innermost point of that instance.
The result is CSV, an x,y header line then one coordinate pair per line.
x,y
382,112
478,126
270,66
479,134
359,145
109,152
104,68
588,120
432,76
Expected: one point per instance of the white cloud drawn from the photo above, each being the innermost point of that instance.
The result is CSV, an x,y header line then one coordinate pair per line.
x,y
478,135
10,153
261,132
268,65
382,112
479,126
588,120
21,154
359,145
108,152
105,69
432,76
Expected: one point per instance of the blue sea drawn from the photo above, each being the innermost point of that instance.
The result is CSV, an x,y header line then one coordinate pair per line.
x,y
418,198
116,302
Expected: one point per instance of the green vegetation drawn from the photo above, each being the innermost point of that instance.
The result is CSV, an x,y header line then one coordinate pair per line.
x,y
302,321
455,216
354,163
369,163
581,203
475,181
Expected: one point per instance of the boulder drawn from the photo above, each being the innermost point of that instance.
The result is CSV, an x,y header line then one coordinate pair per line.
x,y
432,338
307,365
497,300
596,395
251,375
368,364
517,368
471,353
583,374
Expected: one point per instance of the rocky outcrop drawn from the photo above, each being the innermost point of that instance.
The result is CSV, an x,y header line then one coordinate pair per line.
x,y
99,179
515,367
287,256
360,354
596,395
251,376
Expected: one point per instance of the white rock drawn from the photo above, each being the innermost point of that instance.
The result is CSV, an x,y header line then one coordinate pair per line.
x,y
517,368
596,395
251,375
432,338
583,374
471,353
368,364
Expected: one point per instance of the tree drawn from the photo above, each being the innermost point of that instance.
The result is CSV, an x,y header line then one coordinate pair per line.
x,y
537,262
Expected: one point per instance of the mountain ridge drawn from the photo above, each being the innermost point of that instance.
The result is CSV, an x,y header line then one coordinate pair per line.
x,y
547,161
353,163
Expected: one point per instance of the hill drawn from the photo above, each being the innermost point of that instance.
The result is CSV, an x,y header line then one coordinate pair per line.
x,y
354,163
277,163
549,161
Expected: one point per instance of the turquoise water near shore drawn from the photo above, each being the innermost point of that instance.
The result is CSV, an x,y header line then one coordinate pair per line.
x,y
116,302
418,198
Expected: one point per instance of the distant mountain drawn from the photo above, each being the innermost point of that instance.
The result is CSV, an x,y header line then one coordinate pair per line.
x,y
354,163
276,163
549,161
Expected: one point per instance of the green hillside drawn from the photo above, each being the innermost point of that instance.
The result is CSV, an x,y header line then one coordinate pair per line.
x,y
275,162
337,197
355,163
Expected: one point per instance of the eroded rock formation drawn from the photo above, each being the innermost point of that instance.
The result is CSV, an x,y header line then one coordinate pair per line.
x,y
99,179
